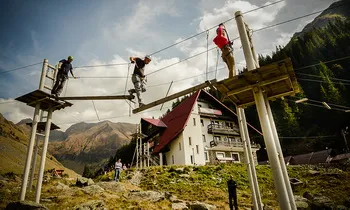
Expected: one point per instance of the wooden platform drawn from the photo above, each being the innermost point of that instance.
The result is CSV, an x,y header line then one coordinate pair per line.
x,y
45,99
41,126
118,97
276,79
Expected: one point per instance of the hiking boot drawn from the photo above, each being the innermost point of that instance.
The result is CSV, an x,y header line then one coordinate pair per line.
x,y
131,91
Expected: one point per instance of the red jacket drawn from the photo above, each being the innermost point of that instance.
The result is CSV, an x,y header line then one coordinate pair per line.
x,y
220,40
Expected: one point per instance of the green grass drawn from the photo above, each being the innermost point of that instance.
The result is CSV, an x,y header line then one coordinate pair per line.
x,y
205,183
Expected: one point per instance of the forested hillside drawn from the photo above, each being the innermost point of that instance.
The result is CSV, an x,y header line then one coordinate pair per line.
x,y
321,60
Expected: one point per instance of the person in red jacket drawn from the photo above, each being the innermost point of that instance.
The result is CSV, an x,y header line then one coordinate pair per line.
x,y
224,44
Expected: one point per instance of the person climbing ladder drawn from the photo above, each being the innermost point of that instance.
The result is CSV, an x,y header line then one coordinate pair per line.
x,y
64,66
138,77
223,42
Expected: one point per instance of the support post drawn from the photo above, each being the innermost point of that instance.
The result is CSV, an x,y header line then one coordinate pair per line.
x,y
252,162
36,149
246,154
245,41
137,151
43,74
29,152
161,159
43,155
32,171
147,154
280,155
140,145
282,193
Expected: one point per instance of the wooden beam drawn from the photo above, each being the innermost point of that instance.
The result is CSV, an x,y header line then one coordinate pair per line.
x,y
262,83
174,96
119,97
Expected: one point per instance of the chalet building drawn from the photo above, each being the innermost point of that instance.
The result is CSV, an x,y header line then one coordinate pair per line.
x,y
199,131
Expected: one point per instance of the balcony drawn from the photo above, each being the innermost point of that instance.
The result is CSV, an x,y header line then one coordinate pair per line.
x,y
220,129
231,144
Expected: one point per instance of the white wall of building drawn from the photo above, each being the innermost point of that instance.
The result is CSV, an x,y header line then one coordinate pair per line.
x,y
176,152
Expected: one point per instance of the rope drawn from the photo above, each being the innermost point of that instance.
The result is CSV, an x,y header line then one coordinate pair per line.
x,y
96,111
207,54
217,62
3,72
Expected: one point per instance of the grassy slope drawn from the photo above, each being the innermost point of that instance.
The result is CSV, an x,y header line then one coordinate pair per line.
x,y
205,183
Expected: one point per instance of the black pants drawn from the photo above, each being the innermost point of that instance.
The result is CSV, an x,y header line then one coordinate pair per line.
x,y
59,84
234,198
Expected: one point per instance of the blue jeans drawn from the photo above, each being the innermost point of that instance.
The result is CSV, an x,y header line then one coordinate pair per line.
x,y
117,174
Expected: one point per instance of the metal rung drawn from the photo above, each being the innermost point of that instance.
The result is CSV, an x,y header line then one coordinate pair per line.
x,y
40,134
47,87
50,77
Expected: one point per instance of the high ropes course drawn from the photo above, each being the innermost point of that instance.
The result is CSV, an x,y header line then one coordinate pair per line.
x,y
256,86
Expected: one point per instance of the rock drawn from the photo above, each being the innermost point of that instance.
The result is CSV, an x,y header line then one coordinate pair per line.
x,y
82,182
179,206
179,169
301,202
308,196
3,183
93,189
136,178
112,186
341,207
185,175
295,181
321,202
25,205
91,205
200,206
313,172
61,186
147,195
170,196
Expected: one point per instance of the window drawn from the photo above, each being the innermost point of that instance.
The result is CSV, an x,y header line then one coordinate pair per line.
x,y
220,154
203,138
172,158
235,157
191,159
179,145
189,141
194,121
206,156
197,149
217,138
202,122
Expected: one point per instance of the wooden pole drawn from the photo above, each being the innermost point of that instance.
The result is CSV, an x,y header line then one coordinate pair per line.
x,y
174,96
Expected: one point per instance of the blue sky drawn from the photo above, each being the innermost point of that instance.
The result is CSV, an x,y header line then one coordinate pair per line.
x,y
101,32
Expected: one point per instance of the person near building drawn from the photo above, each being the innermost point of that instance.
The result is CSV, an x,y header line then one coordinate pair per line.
x,y
232,193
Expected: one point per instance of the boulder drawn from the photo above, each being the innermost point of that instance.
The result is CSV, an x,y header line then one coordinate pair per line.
x,y
179,170
200,206
91,205
112,186
321,202
61,186
179,206
93,189
301,202
25,205
313,172
82,182
147,195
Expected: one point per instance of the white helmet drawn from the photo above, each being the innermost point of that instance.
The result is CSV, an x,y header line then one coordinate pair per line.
x,y
148,57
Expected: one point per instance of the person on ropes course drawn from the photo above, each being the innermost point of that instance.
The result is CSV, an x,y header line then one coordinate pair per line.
x,y
64,66
223,42
138,76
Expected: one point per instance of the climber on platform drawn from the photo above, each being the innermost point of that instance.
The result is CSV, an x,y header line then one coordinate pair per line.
x,y
138,77
64,66
223,42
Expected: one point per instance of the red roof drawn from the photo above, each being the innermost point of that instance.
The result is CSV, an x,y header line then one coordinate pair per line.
x,y
156,122
176,121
